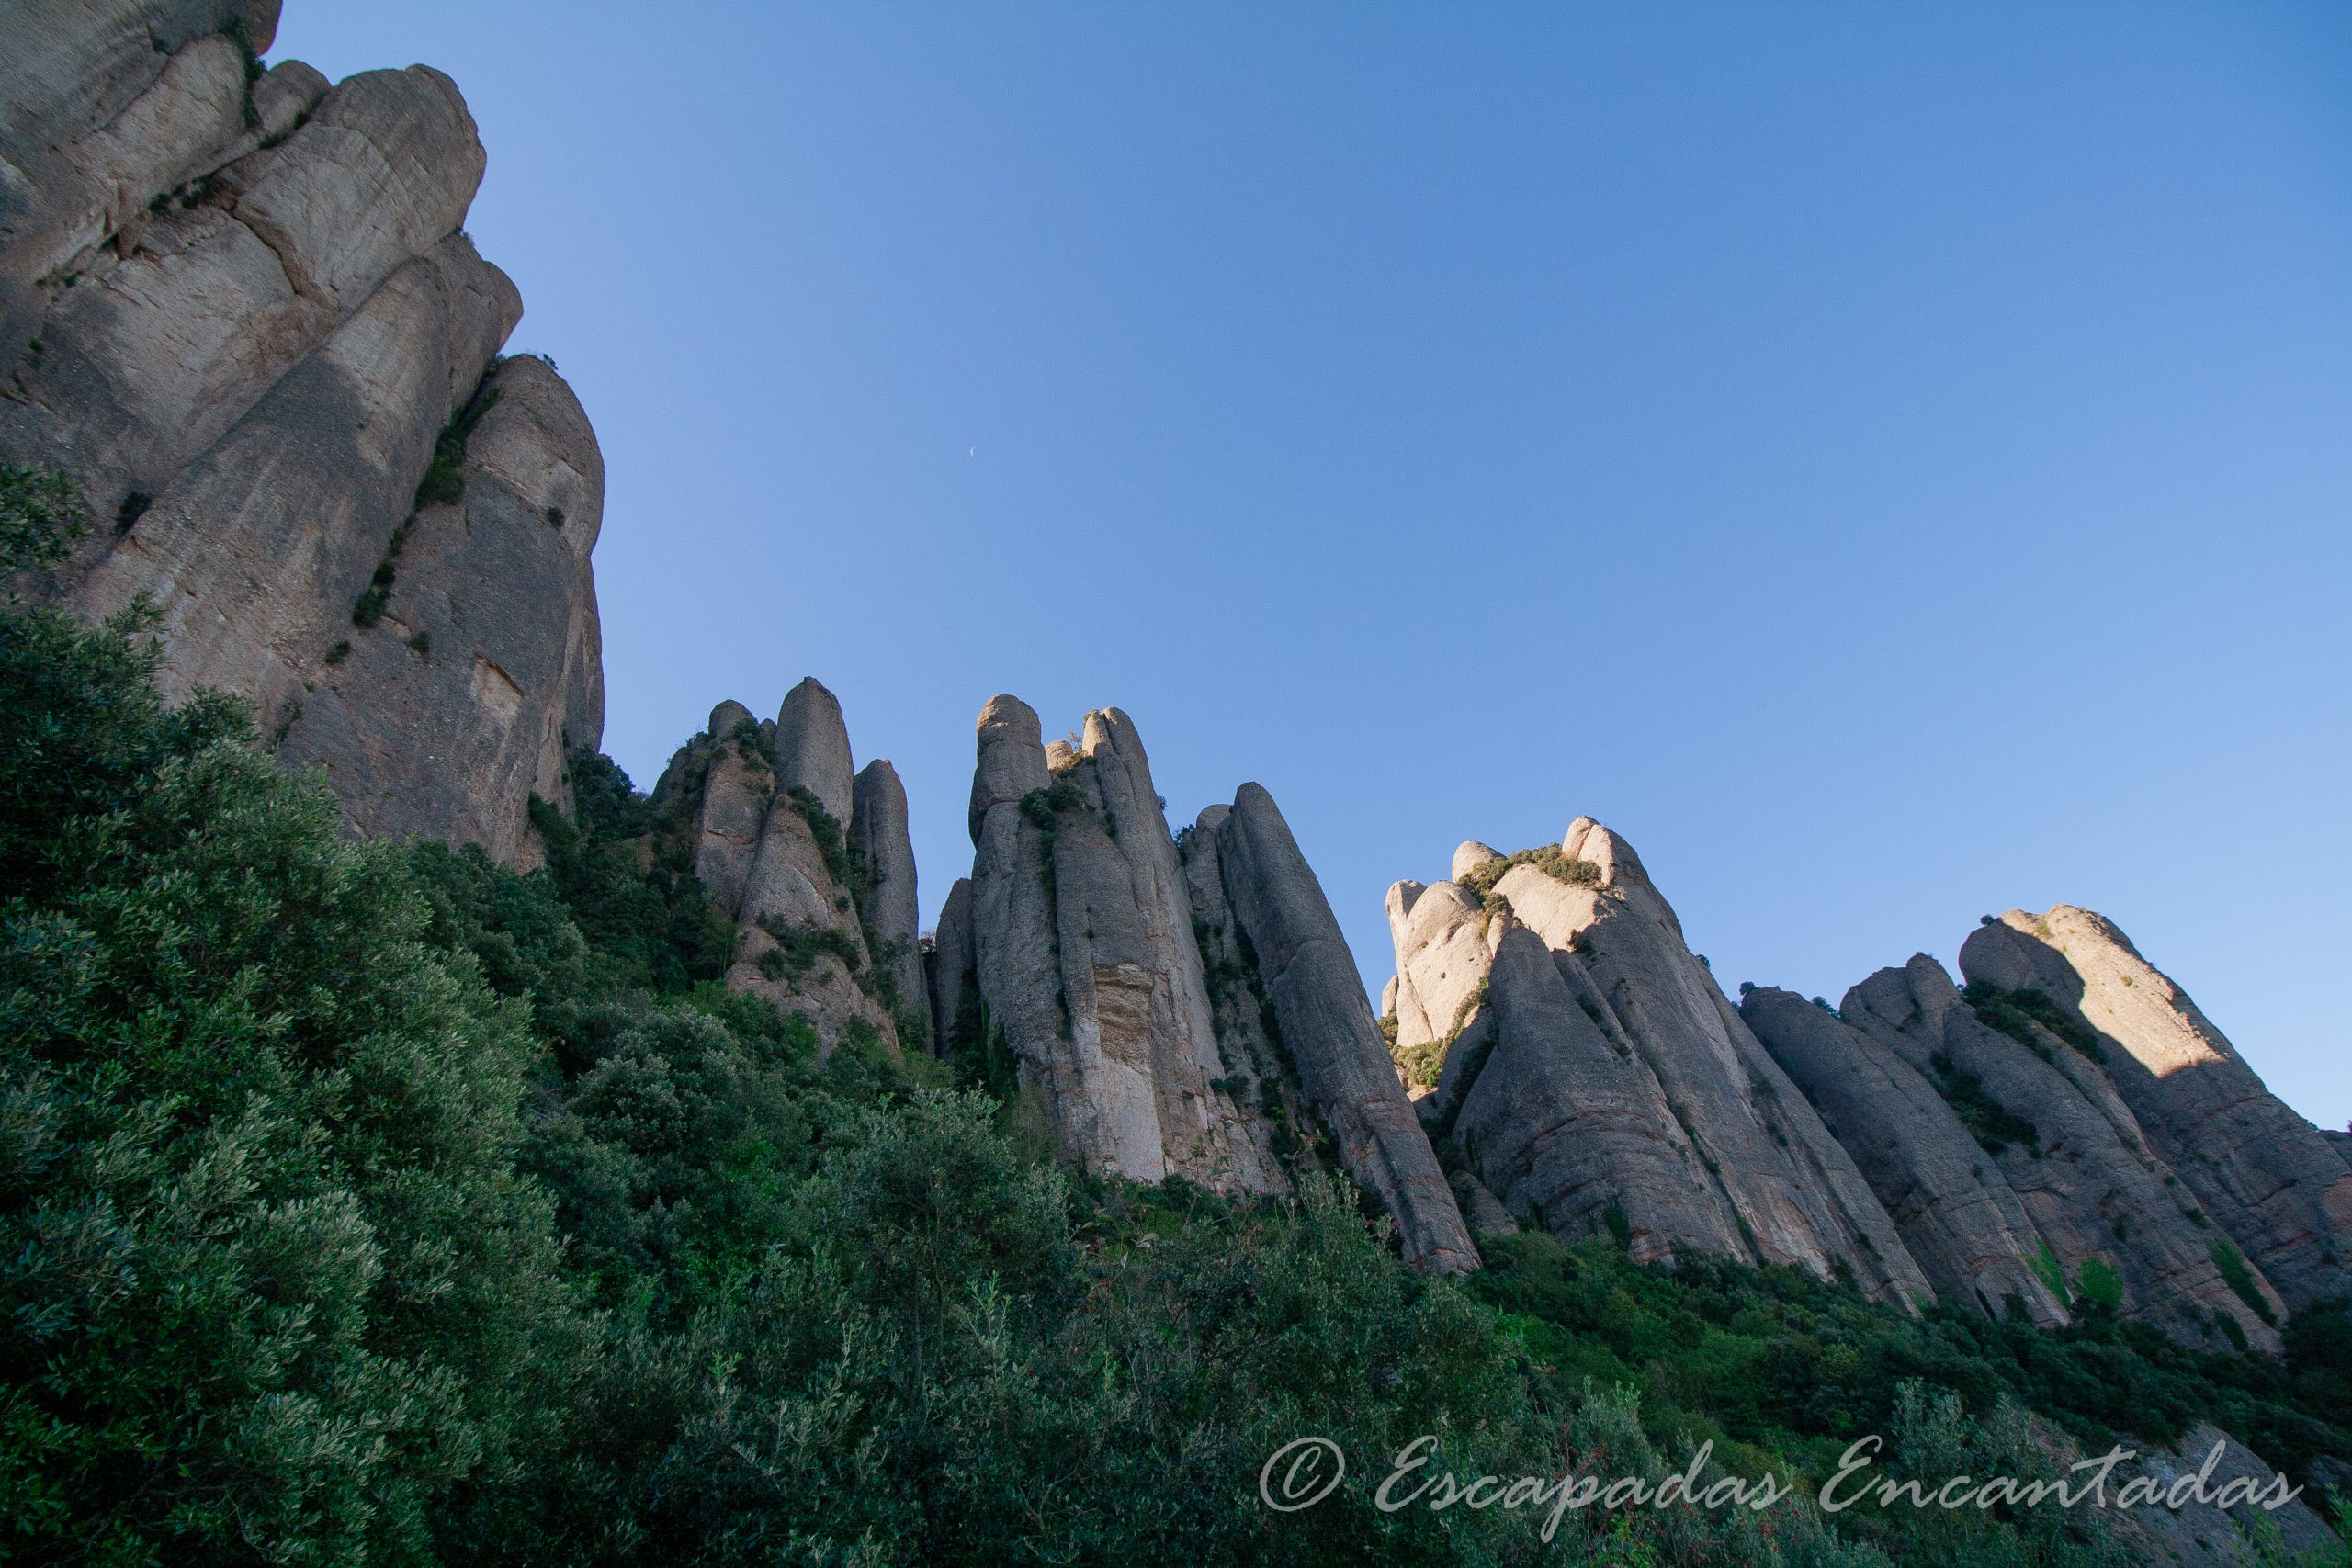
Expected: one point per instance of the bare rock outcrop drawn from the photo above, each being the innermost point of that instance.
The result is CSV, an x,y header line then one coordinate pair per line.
x,y
240,311
1796,1193
1948,1199
950,973
787,873
1439,934
882,848
485,669
1569,1127
1329,1034
1631,1091
2114,1219
1174,1010
2265,1176
1087,963
812,749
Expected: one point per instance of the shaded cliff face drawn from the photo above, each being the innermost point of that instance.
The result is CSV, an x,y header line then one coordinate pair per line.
x,y
2280,1188
1593,1073
824,909
238,308
2100,1196
1324,1028
1188,1013
1947,1197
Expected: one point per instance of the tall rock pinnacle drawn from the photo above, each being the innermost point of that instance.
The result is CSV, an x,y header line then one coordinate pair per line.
x,y
1169,1009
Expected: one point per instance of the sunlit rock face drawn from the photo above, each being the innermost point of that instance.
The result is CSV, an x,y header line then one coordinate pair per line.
x,y
2103,1203
2276,1184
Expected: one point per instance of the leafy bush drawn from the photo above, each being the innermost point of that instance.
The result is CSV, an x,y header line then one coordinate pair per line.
x,y
2026,1016
2240,1280
1549,859
272,1284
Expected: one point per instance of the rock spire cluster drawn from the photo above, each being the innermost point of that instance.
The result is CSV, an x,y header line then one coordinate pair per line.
x,y
1176,1010
239,309
2067,1132
823,905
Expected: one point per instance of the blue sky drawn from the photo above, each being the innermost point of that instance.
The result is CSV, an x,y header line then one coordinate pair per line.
x,y
1889,462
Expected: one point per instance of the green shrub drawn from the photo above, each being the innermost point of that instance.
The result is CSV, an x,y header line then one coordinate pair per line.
x,y
2240,1280
1549,858
2098,1283
2026,1016
272,1285
444,483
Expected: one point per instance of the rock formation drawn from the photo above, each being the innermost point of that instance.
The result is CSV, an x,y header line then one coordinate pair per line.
x,y
1948,1199
951,975
238,307
805,889
1087,963
2280,1189
887,904
2099,1195
1326,1028
1566,1125
1629,1093
1188,1015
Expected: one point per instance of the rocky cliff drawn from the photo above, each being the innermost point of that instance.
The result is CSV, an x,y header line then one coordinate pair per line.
x,y
239,306
1954,1208
2069,1131
1590,1073
2280,1189
822,904
1175,1012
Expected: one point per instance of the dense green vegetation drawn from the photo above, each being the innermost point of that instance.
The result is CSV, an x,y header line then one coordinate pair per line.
x,y
363,1204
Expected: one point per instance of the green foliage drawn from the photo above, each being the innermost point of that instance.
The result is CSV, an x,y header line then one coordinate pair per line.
x,y
272,1287
1773,1361
444,483
1994,1125
2099,1285
624,871
2049,1270
1044,807
40,517
2026,1016
2239,1279
798,949
1549,858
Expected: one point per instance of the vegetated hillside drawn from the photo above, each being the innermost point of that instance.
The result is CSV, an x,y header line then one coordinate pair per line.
x,y
363,1202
